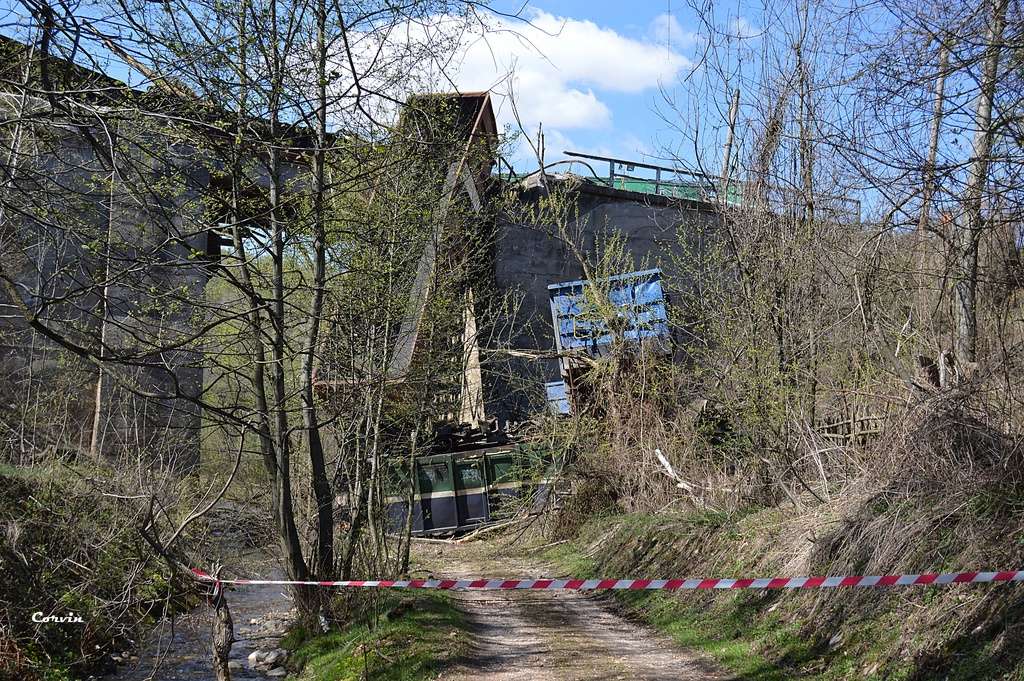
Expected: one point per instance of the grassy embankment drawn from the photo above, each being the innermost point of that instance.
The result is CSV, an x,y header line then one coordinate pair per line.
x,y
400,637
962,632
68,550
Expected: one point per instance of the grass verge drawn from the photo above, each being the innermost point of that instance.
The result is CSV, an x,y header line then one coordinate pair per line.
x,y
949,633
729,638
400,638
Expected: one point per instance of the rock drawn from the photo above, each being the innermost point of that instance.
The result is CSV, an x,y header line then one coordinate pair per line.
x,y
254,621
278,672
274,657
255,658
234,665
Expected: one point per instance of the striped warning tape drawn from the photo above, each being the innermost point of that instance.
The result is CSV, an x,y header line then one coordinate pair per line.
x,y
934,578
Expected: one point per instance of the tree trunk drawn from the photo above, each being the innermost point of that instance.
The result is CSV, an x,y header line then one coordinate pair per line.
x,y
805,116
99,395
323,557
357,496
411,496
282,493
969,229
223,636
734,109
928,183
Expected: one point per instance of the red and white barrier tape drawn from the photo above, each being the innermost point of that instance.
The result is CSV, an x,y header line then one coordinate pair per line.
x,y
936,579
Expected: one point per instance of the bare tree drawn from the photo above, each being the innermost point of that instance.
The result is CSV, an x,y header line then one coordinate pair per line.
x,y
235,210
969,230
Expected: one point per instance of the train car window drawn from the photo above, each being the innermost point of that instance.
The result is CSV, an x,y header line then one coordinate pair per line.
x,y
469,475
502,469
434,477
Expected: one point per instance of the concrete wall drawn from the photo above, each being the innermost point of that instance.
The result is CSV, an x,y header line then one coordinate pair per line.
x,y
529,257
149,221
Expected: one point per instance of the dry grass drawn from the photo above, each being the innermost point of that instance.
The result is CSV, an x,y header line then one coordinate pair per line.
x,y
941,490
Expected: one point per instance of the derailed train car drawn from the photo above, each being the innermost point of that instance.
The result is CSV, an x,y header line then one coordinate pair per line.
x,y
463,490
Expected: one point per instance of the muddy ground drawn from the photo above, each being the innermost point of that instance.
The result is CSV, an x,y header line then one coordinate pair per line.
x,y
549,635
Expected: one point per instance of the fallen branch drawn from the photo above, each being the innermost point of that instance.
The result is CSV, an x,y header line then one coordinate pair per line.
x,y
490,528
550,544
433,540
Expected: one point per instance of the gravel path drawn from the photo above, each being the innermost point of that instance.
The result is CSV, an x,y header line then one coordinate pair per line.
x,y
552,635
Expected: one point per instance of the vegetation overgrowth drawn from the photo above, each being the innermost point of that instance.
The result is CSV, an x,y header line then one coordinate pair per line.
x,y
887,522
69,554
258,258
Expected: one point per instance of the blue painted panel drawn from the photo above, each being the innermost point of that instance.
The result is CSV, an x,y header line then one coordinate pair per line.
x,y
558,397
639,301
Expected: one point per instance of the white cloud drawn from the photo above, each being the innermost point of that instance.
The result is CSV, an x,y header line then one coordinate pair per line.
x,y
665,30
558,69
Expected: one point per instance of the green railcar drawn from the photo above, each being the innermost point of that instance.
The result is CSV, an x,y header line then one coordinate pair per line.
x,y
462,490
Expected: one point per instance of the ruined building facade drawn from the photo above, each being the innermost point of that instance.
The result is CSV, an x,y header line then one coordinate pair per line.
x,y
105,252
508,341
110,240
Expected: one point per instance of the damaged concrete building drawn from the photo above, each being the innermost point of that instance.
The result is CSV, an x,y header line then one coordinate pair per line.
x,y
161,215
512,367
83,203
111,233
517,309
650,221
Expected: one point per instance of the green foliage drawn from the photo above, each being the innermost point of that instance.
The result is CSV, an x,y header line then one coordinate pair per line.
x,y
69,550
820,635
415,638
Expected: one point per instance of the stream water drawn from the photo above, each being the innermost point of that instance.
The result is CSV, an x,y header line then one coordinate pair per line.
x,y
180,650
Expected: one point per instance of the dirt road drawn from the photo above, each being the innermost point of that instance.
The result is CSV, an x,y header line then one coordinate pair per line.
x,y
551,635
